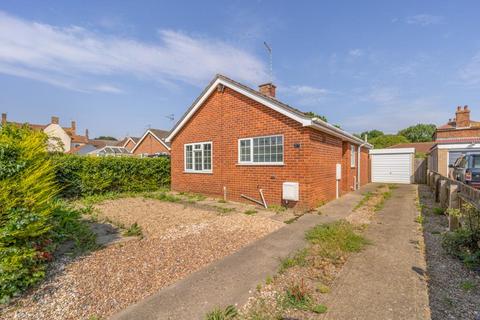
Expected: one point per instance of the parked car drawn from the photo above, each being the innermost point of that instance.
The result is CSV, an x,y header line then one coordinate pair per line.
x,y
467,169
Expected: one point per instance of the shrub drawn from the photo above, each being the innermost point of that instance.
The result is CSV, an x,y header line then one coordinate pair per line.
x,y
84,176
297,295
32,221
228,313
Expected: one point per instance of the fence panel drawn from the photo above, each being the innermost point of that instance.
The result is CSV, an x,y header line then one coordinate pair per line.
x,y
420,173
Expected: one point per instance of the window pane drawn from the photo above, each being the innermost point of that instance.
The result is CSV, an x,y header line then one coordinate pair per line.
x,y
188,158
268,149
207,156
198,160
245,150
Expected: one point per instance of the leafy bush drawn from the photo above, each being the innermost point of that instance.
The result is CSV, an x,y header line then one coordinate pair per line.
x,y
84,176
32,221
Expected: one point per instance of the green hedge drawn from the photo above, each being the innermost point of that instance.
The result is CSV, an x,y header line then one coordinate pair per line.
x,y
83,176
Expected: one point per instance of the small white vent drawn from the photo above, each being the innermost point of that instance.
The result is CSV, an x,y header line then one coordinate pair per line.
x,y
290,191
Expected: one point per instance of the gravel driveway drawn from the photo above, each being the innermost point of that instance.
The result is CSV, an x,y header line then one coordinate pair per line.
x,y
178,240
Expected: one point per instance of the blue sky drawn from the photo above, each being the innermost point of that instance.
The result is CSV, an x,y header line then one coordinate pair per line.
x,y
118,67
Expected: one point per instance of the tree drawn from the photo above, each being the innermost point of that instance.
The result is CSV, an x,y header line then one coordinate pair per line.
x,y
419,133
387,140
106,138
372,134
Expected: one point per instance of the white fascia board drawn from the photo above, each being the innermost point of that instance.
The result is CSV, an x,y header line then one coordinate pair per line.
x,y
126,142
392,151
144,136
459,146
334,131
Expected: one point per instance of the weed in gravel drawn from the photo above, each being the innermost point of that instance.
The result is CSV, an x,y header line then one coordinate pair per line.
x,y
134,231
420,219
268,280
332,240
259,287
467,285
322,288
366,196
193,197
228,313
291,220
163,196
250,212
462,244
438,211
392,186
435,232
297,296
224,210
222,201
319,308
298,259
276,208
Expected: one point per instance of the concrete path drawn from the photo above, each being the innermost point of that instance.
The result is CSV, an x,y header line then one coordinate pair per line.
x,y
387,280
229,281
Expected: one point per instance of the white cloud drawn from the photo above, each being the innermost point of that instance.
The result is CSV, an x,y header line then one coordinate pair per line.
x,y
382,95
424,19
470,73
306,96
72,56
356,52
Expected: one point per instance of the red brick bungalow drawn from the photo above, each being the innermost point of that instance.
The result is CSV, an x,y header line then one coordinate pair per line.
x,y
234,141
151,143
130,142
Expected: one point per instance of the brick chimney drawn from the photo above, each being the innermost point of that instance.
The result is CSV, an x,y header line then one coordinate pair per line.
x,y
267,89
86,133
462,117
74,127
55,120
4,118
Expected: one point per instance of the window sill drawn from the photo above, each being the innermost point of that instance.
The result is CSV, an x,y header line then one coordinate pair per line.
x,y
261,164
200,172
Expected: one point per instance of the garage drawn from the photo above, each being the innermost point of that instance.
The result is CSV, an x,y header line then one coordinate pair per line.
x,y
392,165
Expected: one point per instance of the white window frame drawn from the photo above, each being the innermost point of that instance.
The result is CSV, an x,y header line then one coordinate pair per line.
x,y
353,160
251,162
193,170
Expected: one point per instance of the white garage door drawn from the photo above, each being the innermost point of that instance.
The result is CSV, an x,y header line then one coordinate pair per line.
x,y
392,165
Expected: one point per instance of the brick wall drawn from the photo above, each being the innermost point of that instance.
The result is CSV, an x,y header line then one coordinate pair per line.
x,y
309,155
457,133
150,145
129,146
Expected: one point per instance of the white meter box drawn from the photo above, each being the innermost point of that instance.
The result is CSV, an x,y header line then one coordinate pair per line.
x,y
290,191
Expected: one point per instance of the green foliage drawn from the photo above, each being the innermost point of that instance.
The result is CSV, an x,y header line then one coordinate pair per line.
x,y
438,211
83,176
312,114
366,197
419,133
332,240
297,296
276,208
462,244
250,212
297,259
372,134
387,140
106,138
134,231
32,222
467,285
228,313
319,308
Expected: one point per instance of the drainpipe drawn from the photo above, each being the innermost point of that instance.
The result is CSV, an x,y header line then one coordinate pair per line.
x,y
359,158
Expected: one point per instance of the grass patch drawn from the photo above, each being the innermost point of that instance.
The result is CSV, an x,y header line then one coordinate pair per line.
x,y
439,211
269,280
392,186
297,259
468,285
193,197
222,201
250,212
297,296
228,313
385,196
224,210
322,288
319,308
332,240
276,208
367,196
134,231
419,219
291,220
163,196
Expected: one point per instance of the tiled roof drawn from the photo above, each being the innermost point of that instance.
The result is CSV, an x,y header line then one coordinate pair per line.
x,y
419,146
452,125
458,140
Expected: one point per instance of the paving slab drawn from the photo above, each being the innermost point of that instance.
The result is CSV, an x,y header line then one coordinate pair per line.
x,y
388,279
229,281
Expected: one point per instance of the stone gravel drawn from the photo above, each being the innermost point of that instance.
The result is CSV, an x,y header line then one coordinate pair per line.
x,y
178,241
448,300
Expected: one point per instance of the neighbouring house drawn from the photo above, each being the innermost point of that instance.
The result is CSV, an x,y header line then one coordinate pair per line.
x,y
421,148
235,141
129,143
60,138
152,143
458,136
98,147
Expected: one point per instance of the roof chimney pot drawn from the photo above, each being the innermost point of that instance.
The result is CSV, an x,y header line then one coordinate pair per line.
x,y
4,118
55,120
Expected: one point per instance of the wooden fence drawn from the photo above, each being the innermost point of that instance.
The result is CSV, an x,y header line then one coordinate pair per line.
x,y
420,173
452,194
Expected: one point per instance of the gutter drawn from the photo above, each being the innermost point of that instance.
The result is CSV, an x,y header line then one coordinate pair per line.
x,y
331,129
